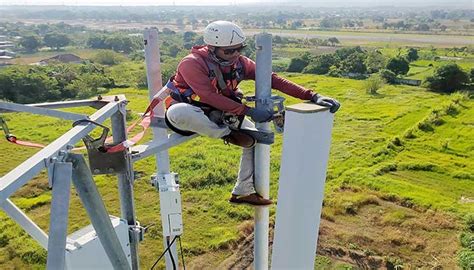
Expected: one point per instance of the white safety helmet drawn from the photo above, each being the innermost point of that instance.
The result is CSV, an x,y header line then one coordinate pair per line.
x,y
223,34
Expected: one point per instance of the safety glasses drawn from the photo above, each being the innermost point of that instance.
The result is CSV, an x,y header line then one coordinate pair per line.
x,y
232,51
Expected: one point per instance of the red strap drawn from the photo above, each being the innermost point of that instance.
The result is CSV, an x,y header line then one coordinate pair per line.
x,y
144,122
14,140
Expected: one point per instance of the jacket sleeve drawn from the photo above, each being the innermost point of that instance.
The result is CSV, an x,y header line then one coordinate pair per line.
x,y
279,83
196,77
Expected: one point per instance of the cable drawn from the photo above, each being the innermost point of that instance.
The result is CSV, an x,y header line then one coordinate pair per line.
x,y
182,254
164,252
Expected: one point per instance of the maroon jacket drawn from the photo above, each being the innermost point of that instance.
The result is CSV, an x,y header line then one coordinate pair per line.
x,y
193,73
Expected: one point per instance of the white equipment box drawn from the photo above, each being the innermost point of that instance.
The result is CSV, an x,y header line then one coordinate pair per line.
x,y
84,250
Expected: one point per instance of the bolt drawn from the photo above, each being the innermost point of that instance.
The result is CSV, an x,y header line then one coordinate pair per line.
x,y
99,97
116,98
96,171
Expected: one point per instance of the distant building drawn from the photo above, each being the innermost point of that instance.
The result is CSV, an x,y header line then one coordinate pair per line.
x,y
6,44
63,58
7,53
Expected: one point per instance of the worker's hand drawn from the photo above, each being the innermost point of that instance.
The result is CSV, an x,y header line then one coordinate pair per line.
x,y
260,116
326,102
239,94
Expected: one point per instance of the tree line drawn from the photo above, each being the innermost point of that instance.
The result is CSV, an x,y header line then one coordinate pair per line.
x,y
356,62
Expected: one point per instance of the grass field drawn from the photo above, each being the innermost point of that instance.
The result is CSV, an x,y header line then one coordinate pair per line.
x,y
400,163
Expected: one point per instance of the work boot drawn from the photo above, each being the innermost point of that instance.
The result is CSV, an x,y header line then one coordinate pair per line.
x,y
239,138
252,199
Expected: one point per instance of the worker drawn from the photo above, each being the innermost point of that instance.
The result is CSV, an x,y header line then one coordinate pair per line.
x,y
206,82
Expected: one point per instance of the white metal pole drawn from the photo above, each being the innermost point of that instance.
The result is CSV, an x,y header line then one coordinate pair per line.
x,y
125,184
305,155
62,174
153,69
262,151
95,208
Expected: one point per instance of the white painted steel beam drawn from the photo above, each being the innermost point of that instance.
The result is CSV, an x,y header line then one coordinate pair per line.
x,y
25,222
42,111
125,184
142,151
62,175
66,104
263,84
95,208
19,176
306,143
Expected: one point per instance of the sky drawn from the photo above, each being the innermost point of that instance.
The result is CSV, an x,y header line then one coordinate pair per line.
x,y
469,4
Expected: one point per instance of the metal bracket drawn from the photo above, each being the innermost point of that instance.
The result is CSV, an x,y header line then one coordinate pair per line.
x,y
278,109
101,161
50,163
137,232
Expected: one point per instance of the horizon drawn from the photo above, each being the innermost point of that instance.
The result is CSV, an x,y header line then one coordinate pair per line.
x,y
463,4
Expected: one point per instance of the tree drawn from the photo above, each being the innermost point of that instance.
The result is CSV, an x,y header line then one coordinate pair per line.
x,y
56,40
97,42
297,64
121,43
30,43
398,65
333,41
108,57
447,79
173,50
412,55
343,53
354,63
375,61
320,64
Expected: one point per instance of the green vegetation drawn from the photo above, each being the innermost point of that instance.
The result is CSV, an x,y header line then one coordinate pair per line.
x,y
399,183
32,84
420,170
447,79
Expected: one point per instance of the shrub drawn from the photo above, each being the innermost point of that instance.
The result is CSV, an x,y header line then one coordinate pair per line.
x,y
320,64
412,55
108,57
298,64
354,63
375,61
373,83
466,259
447,79
279,67
388,75
398,65
469,220
467,239
334,72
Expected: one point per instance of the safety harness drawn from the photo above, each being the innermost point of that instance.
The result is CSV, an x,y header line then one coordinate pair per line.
x,y
226,83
